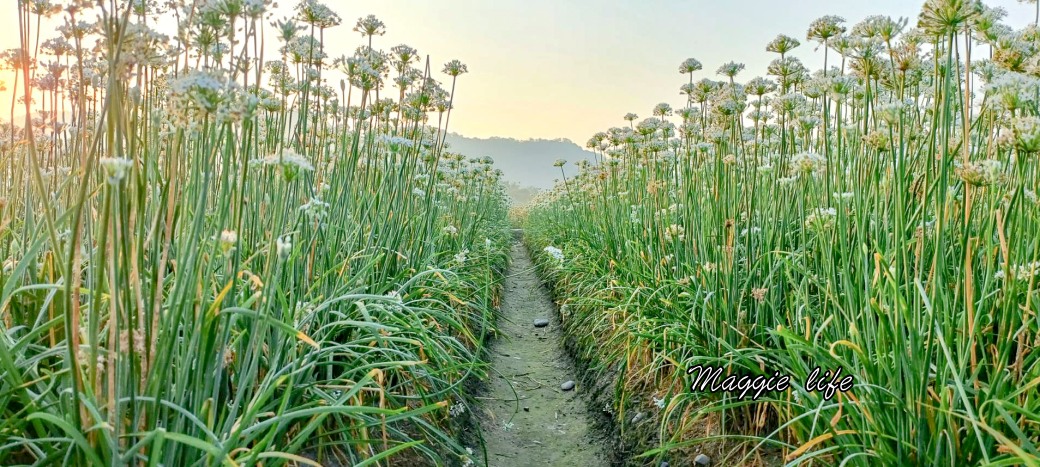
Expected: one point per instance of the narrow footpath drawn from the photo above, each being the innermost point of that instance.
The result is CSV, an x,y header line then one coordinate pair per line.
x,y
534,413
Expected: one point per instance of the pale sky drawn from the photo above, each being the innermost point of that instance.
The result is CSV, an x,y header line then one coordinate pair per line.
x,y
570,68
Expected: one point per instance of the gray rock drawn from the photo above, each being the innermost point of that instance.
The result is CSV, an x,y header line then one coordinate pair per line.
x,y
541,323
664,464
567,386
639,416
702,460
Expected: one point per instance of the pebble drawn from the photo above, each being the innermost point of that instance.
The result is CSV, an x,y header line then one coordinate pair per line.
x,y
541,323
527,409
567,386
702,460
638,417
664,464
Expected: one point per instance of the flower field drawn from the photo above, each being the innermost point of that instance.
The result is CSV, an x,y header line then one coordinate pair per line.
x,y
228,239
213,258
879,215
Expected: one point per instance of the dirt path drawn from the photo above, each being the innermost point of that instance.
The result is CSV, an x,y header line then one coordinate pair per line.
x,y
527,418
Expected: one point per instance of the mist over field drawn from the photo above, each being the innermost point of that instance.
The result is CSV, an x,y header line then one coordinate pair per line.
x,y
528,163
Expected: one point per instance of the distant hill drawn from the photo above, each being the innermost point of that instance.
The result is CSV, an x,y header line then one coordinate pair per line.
x,y
524,162
521,194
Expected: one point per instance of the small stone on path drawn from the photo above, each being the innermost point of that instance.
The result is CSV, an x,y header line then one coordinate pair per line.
x,y
541,323
702,460
567,386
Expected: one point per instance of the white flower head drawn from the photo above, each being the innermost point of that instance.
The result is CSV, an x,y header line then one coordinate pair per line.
x,y
689,66
284,245
315,209
750,231
674,232
981,173
555,253
228,238
290,162
1020,272
115,168
808,163
455,68
821,219
1027,134
396,143
460,257
843,196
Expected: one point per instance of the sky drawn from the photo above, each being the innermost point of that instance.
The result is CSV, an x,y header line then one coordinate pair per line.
x,y
569,68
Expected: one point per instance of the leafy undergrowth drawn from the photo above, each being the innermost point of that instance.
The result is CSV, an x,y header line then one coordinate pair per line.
x,y
213,258
873,217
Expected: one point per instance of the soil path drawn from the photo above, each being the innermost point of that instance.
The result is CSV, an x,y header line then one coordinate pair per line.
x,y
527,419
